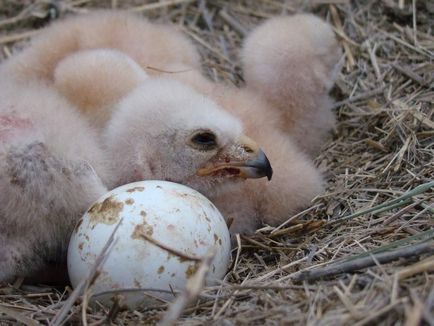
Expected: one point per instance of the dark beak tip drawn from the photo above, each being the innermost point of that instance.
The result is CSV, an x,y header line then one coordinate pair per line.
x,y
259,166
269,169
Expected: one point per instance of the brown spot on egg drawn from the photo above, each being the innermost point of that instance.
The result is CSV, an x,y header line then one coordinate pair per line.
x,y
171,227
106,212
143,213
80,245
193,198
191,270
215,237
160,269
140,229
129,201
136,189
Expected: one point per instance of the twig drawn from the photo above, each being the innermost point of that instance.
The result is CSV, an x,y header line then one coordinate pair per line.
x,y
424,119
357,264
292,218
17,37
392,218
208,46
287,266
410,74
362,96
206,15
423,236
229,301
336,19
115,308
265,287
62,313
21,16
158,5
374,210
400,201
347,303
84,306
415,315
413,4
192,290
374,315
167,71
237,256
131,290
373,58
233,22
168,249
18,317
419,267
398,40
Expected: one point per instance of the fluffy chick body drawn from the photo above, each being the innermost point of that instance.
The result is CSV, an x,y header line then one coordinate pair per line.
x,y
45,185
136,71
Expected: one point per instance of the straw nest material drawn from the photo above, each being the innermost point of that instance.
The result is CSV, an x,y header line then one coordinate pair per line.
x,y
362,253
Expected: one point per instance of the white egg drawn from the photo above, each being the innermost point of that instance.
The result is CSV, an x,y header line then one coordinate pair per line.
x,y
161,225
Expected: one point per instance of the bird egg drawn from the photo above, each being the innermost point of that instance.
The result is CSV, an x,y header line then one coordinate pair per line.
x,y
163,230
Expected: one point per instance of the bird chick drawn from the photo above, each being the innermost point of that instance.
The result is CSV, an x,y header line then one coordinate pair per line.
x,y
94,81
244,203
247,204
292,62
295,180
284,105
167,123
150,45
54,164
184,137
46,179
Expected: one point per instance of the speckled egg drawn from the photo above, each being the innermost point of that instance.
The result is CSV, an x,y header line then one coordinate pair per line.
x,y
162,226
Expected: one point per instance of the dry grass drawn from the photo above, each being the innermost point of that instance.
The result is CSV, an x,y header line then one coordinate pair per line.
x,y
372,267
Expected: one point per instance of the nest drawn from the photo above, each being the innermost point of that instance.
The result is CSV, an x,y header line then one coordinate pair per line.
x,y
362,252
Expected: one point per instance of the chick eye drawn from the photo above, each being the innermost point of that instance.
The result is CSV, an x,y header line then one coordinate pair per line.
x,y
204,140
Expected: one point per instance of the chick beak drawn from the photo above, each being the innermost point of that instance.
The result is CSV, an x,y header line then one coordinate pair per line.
x,y
244,159
256,167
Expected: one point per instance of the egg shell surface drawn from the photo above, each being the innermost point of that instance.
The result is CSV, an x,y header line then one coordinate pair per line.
x,y
152,216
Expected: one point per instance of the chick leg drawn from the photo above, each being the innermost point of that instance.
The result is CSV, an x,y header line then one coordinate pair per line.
x,y
43,196
293,63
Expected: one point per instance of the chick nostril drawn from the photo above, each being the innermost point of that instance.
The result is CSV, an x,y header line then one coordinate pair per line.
x,y
248,149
